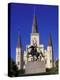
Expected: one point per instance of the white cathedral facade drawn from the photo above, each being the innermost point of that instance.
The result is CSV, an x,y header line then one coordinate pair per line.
x,y
35,51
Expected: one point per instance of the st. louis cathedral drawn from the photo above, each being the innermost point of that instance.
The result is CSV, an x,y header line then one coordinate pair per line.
x,y
35,59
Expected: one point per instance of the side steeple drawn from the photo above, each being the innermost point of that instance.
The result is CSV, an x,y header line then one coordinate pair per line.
x,y
50,40
19,54
34,25
19,42
50,56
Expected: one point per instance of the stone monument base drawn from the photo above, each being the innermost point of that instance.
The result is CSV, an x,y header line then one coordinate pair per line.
x,y
35,67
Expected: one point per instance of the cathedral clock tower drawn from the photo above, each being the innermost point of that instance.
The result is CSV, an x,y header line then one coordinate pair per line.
x,y
34,34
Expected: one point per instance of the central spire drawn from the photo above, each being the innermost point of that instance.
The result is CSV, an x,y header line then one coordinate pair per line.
x,y
34,25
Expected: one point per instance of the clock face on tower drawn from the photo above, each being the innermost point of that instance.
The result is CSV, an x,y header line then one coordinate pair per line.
x,y
34,41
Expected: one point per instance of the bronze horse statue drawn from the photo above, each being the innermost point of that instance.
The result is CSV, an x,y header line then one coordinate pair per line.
x,y
34,52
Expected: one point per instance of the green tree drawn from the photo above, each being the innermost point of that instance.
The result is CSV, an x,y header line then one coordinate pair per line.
x,y
57,65
54,70
12,68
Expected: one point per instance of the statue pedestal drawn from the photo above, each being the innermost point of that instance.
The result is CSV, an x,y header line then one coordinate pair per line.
x,y
35,67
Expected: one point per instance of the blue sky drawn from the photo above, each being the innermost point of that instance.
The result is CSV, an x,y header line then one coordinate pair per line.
x,y
21,18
